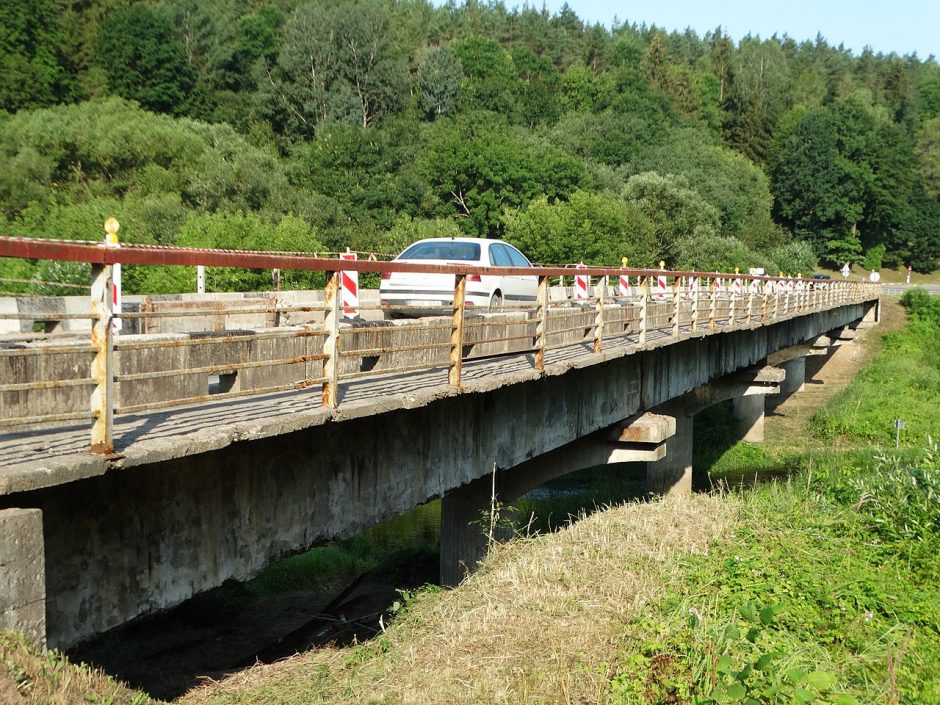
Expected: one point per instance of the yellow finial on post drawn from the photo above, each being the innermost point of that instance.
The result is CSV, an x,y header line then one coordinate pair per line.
x,y
737,270
111,228
623,262
662,264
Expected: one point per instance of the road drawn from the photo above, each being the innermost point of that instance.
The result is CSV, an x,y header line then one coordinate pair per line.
x,y
898,289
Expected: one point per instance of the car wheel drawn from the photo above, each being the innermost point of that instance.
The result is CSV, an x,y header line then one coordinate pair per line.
x,y
496,301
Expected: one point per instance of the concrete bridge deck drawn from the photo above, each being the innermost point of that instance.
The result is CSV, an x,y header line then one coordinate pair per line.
x,y
43,457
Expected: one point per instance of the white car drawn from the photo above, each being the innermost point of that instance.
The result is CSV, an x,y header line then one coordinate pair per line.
x,y
424,293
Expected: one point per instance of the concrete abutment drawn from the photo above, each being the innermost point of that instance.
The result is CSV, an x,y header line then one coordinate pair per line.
x,y
23,574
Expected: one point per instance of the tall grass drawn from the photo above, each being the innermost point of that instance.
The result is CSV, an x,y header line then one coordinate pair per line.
x,y
903,382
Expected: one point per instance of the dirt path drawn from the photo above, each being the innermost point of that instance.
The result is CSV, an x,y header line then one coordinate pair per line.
x,y
826,375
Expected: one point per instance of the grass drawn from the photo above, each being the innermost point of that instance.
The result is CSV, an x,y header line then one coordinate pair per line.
x,y
48,678
538,623
806,584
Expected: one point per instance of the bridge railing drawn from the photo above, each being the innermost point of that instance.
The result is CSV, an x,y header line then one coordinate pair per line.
x,y
297,340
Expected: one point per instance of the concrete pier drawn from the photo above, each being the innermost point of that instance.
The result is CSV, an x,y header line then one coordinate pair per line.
x,y
23,574
749,413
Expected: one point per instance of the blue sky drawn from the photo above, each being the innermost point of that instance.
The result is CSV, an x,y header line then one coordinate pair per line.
x,y
901,26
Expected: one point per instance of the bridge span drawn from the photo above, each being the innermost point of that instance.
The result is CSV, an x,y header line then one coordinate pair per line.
x,y
204,455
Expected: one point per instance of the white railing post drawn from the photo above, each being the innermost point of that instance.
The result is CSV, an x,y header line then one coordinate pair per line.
x,y
644,295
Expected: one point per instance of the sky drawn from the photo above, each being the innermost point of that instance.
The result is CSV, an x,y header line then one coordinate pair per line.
x,y
900,26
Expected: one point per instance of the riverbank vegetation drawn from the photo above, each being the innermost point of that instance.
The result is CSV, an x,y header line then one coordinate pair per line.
x,y
315,127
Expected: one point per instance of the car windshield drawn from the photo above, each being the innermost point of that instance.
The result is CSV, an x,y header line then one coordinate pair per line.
x,y
443,249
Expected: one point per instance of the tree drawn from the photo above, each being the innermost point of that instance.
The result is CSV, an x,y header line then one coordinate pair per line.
x,y
439,77
675,209
927,151
144,59
32,66
596,229
335,63
540,83
713,253
817,192
730,182
489,81
478,166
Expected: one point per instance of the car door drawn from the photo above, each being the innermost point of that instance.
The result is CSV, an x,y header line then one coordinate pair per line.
x,y
510,286
528,287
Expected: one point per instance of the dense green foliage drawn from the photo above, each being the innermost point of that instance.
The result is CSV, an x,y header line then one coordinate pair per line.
x,y
903,383
577,141
827,593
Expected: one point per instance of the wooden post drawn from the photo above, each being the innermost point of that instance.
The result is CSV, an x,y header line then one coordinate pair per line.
x,y
331,301
456,331
541,329
102,367
599,315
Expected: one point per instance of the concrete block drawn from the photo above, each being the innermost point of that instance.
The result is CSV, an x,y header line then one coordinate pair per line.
x,y
760,374
646,428
637,453
23,574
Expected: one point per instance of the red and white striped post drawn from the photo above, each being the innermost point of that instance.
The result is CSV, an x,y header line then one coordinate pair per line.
x,y
349,284
624,289
581,283
661,282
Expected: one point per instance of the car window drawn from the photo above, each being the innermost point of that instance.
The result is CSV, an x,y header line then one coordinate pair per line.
x,y
499,255
462,251
518,259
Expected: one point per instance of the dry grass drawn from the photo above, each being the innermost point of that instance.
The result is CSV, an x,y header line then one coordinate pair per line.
x,y
48,678
539,622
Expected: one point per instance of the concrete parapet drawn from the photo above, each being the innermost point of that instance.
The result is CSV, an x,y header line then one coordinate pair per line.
x,y
44,366
23,574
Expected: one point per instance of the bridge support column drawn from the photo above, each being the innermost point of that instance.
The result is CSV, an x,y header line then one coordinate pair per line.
x,y
796,375
673,474
23,574
463,537
749,412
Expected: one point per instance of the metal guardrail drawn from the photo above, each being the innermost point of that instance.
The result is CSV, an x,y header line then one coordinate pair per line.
x,y
668,304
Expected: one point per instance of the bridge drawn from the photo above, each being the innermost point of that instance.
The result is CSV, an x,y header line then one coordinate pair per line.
x,y
216,434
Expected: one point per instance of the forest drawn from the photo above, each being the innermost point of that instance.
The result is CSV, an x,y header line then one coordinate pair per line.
x,y
317,126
